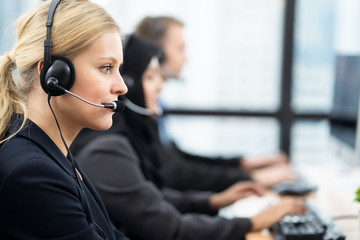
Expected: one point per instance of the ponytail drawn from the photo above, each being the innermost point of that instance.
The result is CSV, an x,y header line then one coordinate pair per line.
x,y
10,100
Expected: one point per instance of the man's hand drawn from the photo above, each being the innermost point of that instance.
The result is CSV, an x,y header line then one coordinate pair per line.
x,y
270,176
252,163
233,193
270,216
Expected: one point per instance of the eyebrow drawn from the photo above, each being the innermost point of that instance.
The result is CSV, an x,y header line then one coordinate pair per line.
x,y
108,58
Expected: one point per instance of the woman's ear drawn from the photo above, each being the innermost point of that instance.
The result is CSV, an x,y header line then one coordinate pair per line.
x,y
40,65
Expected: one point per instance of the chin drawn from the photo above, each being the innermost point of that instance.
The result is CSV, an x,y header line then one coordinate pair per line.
x,y
102,123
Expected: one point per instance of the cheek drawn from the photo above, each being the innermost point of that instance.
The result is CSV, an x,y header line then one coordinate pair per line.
x,y
95,92
88,85
171,53
149,92
180,56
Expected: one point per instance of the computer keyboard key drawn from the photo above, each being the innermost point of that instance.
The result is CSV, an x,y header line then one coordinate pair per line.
x,y
334,233
306,227
298,188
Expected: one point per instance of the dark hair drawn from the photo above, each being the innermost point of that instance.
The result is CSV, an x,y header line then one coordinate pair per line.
x,y
138,53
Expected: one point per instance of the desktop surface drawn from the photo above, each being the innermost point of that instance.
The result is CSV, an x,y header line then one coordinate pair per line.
x,y
333,199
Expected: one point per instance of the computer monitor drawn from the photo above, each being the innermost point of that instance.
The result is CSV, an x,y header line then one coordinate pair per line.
x,y
344,117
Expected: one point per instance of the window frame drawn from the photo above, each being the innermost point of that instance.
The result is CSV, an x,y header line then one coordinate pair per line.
x,y
285,115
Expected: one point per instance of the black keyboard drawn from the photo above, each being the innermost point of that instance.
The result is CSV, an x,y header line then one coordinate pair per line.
x,y
300,188
306,227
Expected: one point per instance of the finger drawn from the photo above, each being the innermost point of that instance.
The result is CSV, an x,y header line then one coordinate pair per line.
x,y
259,191
299,206
247,185
291,176
243,185
249,193
256,189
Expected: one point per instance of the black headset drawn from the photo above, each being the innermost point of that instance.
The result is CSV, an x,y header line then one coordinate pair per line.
x,y
60,71
55,67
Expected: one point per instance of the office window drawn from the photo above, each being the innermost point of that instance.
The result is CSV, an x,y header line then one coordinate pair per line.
x,y
313,76
310,142
324,29
224,136
314,55
9,11
234,50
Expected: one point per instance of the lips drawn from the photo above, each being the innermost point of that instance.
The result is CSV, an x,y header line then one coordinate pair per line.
x,y
108,108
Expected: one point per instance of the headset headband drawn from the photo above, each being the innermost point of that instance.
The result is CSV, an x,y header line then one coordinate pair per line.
x,y
47,41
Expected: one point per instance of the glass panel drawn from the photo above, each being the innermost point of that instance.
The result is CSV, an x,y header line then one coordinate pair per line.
x,y
225,136
310,142
323,29
9,11
314,55
234,50
327,40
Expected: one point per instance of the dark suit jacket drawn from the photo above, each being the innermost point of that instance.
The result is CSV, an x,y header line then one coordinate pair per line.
x,y
187,171
139,207
39,195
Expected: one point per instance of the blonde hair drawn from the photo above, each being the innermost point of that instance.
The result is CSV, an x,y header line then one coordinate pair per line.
x,y
77,24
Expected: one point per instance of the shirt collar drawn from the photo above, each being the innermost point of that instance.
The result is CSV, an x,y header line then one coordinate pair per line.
x,y
35,134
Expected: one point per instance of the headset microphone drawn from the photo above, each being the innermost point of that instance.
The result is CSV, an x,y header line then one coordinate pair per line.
x,y
140,110
116,106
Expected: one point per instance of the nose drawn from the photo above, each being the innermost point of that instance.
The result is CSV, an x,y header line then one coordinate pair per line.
x,y
119,86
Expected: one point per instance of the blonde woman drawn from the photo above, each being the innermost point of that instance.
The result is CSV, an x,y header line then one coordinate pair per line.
x,y
44,193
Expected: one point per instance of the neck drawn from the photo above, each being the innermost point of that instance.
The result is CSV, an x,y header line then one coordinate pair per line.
x,y
42,116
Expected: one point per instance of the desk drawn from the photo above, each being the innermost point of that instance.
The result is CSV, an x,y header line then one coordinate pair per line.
x,y
337,185
336,190
259,236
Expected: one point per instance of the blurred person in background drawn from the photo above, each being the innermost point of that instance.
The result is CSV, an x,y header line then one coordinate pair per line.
x,y
189,171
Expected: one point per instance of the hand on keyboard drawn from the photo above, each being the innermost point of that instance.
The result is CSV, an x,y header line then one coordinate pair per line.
x,y
273,214
307,226
274,174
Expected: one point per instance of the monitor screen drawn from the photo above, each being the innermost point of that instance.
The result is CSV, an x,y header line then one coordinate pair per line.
x,y
344,114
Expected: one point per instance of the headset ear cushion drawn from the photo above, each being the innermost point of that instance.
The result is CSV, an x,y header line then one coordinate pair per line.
x,y
63,70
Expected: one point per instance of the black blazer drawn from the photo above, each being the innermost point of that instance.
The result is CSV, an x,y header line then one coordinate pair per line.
x,y
39,195
184,171
139,208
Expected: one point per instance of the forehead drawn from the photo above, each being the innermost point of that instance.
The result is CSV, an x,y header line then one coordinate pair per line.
x,y
154,64
174,33
108,45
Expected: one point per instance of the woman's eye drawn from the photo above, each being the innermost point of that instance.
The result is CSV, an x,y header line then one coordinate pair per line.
x,y
149,76
106,69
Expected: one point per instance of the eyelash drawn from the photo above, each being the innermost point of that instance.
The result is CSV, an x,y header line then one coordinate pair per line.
x,y
107,68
